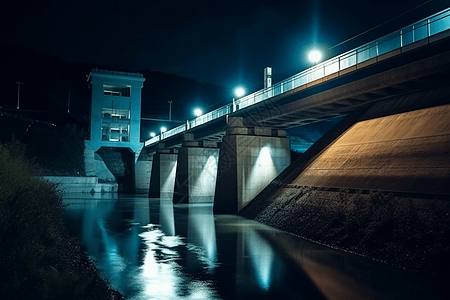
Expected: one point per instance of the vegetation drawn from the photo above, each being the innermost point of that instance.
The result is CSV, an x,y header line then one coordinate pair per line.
x,y
38,259
59,151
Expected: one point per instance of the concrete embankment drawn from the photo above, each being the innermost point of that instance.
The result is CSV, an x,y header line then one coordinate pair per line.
x,y
378,187
69,184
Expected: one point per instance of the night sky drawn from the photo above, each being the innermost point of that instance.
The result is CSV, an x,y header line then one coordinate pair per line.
x,y
227,43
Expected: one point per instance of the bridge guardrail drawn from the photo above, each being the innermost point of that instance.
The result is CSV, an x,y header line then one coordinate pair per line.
x,y
410,34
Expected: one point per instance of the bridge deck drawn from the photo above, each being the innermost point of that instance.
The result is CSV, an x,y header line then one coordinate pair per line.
x,y
387,67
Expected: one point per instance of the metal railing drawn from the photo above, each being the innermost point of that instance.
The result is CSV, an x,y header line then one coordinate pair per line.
x,y
408,35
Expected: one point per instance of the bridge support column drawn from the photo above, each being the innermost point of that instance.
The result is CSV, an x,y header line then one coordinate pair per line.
x,y
142,171
164,167
250,158
196,171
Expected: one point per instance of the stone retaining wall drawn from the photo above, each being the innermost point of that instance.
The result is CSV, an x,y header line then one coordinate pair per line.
x,y
81,184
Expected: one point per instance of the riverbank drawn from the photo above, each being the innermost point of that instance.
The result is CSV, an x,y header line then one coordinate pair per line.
x,y
409,231
38,258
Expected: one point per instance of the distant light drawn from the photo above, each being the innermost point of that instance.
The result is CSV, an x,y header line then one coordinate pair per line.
x,y
152,134
198,112
239,92
163,129
315,56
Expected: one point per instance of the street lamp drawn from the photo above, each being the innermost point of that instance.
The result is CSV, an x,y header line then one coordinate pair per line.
x,y
163,129
314,56
239,91
198,112
152,134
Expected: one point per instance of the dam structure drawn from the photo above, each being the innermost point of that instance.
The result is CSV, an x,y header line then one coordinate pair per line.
x,y
392,95
115,129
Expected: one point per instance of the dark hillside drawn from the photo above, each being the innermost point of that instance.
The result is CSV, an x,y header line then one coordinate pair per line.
x,y
47,82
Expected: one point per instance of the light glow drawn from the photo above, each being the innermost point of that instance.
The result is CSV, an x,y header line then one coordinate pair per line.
x,y
315,56
152,134
163,129
239,92
198,112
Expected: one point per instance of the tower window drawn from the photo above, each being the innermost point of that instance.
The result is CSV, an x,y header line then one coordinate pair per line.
x,y
112,90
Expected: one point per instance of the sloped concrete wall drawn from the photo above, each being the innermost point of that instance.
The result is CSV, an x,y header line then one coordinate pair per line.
x,y
95,166
378,187
406,152
89,160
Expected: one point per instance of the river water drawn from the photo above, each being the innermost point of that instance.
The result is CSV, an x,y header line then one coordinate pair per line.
x,y
152,249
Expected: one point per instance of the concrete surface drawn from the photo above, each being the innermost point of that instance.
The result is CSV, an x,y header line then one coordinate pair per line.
x,y
196,172
406,152
162,181
247,164
142,172
68,184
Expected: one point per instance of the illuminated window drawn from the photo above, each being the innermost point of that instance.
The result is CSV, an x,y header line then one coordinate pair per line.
x,y
115,132
112,90
115,114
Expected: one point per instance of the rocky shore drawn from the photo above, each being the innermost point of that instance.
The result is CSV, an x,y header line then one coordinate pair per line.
x,y
410,231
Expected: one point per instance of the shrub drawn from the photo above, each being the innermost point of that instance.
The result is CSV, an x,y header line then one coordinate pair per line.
x,y
58,150
38,259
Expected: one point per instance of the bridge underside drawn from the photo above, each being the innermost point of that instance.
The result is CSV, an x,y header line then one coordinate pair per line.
x,y
396,87
390,79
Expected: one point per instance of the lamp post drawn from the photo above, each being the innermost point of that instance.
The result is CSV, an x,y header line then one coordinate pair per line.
x,y
170,110
238,92
18,93
68,103
163,129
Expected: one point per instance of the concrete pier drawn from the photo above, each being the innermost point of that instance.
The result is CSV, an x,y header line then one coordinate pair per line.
x,y
250,158
196,171
142,171
164,168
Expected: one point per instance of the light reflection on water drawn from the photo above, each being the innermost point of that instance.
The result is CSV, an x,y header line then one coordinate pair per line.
x,y
151,249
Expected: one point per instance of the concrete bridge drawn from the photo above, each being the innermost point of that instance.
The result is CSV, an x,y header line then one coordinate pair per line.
x,y
393,91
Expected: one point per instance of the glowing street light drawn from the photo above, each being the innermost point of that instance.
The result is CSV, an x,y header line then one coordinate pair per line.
x,y
152,134
198,112
314,56
163,129
239,92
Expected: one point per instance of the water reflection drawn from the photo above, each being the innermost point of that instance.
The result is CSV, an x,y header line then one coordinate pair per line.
x,y
151,249
202,234
262,257
167,219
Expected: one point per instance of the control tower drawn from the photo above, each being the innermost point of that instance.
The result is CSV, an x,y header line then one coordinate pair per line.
x,y
115,109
